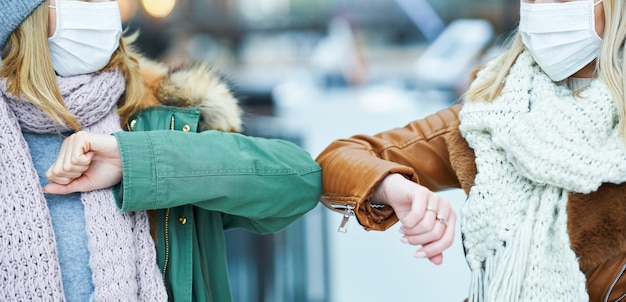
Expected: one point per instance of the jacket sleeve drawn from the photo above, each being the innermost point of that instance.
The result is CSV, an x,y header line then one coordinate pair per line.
x,y
259,181
352,168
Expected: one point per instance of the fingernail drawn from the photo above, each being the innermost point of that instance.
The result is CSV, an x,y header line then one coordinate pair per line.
x,y
420,255
404,240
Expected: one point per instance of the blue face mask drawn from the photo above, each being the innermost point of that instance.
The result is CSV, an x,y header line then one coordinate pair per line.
x,y
86,36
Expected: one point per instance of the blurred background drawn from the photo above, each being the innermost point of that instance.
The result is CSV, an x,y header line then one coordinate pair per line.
x,y
312,71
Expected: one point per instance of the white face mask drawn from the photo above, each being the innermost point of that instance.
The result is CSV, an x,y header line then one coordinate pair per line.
x,y
86,36
560,36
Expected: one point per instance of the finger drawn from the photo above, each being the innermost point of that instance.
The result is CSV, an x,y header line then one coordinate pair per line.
x,y
72,154
77,150
64,171
54,188
418,208
438,246
55,170
443,213
67,149
431,214
425,225
435,233
437,259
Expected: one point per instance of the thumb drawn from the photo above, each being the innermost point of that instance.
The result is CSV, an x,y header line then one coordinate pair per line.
x,y
55,188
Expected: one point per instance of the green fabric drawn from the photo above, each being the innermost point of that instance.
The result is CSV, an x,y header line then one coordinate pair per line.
x,y
212,181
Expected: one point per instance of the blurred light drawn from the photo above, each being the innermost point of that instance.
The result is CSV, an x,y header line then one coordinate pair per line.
x,y
128,8
261,9
158,8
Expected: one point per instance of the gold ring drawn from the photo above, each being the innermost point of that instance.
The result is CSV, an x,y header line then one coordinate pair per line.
x,y
442,220
433,210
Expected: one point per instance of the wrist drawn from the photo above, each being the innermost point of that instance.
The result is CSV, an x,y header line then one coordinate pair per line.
x,y
380,192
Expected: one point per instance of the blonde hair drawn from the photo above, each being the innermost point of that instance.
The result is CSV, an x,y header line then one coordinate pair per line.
x,y
610,64
29,71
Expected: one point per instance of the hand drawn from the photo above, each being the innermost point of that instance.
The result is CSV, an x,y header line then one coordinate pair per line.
x,y
86,162
427,219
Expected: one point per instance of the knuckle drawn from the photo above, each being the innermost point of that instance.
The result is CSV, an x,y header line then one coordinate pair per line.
x,y
74,160
414,240
56,170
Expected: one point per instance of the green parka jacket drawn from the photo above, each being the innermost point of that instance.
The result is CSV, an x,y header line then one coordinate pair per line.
x,y
202,182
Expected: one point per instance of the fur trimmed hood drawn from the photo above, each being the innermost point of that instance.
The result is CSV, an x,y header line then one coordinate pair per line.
x,y
196,84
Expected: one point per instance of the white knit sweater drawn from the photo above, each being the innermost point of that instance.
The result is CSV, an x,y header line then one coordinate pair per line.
x,y
534,144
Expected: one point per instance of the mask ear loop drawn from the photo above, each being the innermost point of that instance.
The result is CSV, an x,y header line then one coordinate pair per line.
x,y
56,13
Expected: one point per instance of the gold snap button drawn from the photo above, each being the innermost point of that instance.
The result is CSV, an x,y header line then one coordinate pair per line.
x,y
186,128
182,219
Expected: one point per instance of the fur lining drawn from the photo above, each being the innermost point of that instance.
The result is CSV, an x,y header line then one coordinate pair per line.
x,y
597,224
462,157
192,85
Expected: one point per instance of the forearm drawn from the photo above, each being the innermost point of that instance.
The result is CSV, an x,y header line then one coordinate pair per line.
x,y
419,151
225,172
354,168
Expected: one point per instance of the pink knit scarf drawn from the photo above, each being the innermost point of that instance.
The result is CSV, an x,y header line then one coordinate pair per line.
x,y
122,253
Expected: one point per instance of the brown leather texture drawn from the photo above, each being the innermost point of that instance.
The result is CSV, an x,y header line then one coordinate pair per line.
x,y
352,168
607,282
432,152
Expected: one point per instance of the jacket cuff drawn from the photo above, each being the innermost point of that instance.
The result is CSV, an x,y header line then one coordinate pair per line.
x,y
118,193
381,217
137,175
376,218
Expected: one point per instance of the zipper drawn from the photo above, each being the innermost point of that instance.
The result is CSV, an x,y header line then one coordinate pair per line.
x,y
348,211
166,235
130,127
619,275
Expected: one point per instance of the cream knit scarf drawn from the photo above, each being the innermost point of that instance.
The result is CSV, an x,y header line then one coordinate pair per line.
x,y
534,144
122,253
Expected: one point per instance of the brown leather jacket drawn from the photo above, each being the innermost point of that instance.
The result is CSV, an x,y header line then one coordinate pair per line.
x,y
432,152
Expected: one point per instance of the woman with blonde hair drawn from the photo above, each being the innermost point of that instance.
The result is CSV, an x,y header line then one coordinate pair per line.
x,y
66,71
538,144
37,109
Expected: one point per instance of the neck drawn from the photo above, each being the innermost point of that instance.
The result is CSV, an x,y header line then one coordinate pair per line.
x,y
586,72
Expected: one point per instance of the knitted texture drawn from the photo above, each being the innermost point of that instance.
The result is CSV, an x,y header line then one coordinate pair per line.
x,y
534,144
13,13
122,253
